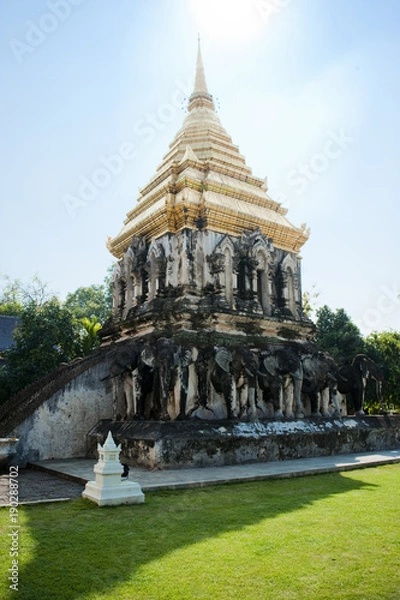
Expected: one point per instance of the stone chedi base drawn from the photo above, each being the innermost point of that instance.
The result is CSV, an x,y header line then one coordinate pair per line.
x,y
108,489
188,444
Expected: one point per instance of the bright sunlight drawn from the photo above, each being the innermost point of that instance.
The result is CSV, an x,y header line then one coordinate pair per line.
x,y
228,20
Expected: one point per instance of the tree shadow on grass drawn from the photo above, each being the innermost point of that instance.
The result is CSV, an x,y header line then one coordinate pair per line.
x,y
82,549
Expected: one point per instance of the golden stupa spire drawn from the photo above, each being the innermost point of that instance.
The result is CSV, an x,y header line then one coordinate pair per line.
x,y
201,95
200,85
203,173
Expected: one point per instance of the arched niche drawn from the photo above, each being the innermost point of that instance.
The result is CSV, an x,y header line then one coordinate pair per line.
x,y
129,258
262,280
156,269
291,279
227,277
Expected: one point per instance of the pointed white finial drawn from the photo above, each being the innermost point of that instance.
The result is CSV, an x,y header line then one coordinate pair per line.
x,y
201,95
200,85
109,444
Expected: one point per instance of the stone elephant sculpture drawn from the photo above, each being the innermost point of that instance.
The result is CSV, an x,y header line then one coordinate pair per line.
x,y
222,379
184,357
229,372
169,361
202,366
121,369
279,368
320,380
353,378
245,368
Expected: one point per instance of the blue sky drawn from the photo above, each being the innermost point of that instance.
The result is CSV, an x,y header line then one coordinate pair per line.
x,y
308,89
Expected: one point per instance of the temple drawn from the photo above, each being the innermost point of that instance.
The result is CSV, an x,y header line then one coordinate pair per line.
x,y
209,358
206,247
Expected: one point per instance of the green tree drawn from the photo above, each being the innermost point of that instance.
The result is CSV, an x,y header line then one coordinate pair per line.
x,y
92,301
10,309
309,301
87,302
15,294
49,332
89,337
47,335
384,349
337,334
107,282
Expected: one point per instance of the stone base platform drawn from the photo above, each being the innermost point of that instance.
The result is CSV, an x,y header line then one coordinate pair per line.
x,y
125,492
195,443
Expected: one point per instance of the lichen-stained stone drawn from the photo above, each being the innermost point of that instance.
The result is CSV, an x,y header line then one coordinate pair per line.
x,y
205,444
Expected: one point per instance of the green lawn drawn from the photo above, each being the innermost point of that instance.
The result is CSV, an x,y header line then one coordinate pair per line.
x,y
323,537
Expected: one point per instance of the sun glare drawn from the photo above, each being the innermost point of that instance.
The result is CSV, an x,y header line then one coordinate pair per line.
x,y
227,20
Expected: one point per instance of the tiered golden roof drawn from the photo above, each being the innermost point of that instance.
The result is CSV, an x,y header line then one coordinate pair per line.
x,y
204,183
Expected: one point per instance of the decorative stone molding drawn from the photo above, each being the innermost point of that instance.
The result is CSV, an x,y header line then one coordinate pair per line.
x,y
214,273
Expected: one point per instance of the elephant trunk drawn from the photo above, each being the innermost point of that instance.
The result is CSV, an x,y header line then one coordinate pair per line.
x,y
261,374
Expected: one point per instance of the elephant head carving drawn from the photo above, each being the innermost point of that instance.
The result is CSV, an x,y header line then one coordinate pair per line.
x,y
353,378
223,358
159,356
169,361
320,380
121,369
281,367
202,366
183,358
222,378
245,368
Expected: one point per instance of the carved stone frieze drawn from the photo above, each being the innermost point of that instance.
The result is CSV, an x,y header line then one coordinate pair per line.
x,y
215,273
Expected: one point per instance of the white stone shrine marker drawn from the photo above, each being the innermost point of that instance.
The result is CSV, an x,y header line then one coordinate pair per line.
x,y
109,489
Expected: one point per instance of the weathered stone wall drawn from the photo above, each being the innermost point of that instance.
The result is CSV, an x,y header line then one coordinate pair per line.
x,y
203,444
58,427
214,272
148,381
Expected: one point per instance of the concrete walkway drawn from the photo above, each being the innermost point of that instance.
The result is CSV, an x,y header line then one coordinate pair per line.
x,y
37,486
56,480
81,470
